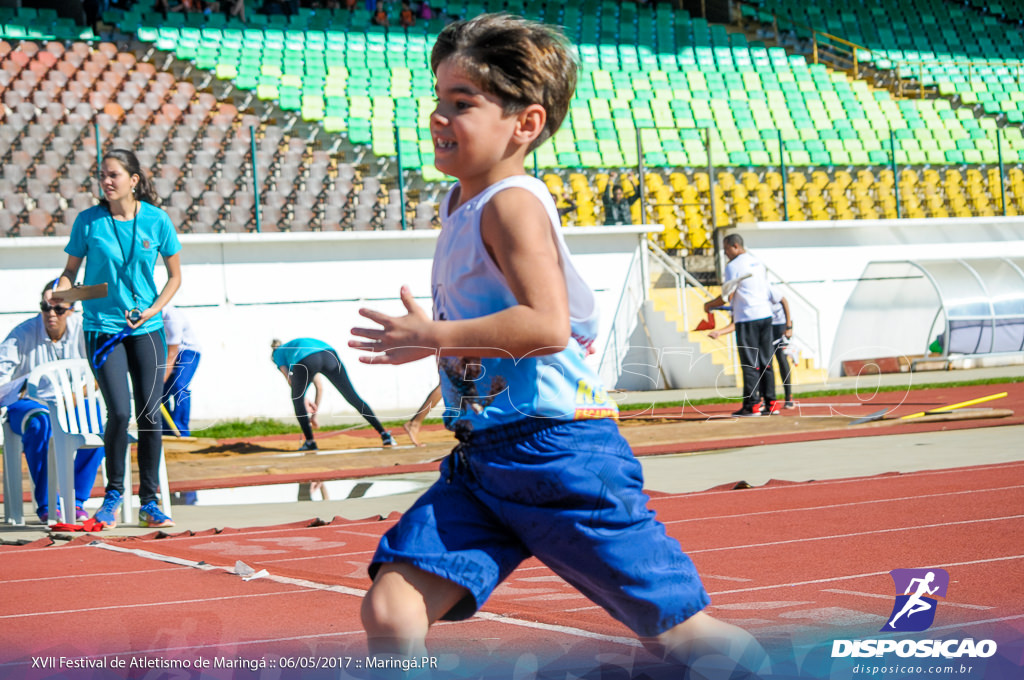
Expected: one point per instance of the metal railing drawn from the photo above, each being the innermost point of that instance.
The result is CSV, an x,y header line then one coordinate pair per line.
x,y
682,280
624,319
801,307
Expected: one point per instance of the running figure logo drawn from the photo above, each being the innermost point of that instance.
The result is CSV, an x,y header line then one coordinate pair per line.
x,y
914,610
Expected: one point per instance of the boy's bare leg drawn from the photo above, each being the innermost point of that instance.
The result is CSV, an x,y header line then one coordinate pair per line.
x,y
401,605
711,646
412,427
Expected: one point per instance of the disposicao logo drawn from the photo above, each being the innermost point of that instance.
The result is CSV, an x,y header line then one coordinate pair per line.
x,y
914,609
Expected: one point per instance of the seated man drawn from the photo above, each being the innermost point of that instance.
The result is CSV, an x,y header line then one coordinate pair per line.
x,y
53,335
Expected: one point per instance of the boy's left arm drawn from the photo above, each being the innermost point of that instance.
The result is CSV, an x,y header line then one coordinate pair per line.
x,y
519,237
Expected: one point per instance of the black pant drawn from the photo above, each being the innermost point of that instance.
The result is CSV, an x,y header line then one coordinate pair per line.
x,y
754,344
779,342
142,358
328,364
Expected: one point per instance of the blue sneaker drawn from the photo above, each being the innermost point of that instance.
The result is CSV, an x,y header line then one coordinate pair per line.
x,y
387,439
106,516
150,515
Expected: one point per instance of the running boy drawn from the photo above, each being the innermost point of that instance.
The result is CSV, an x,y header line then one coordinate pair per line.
x,y
540,468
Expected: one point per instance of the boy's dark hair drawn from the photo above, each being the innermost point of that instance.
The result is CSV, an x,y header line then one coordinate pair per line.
x,y
519,61
733,240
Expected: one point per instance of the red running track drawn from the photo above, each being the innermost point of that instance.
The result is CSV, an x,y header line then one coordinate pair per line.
x,y
796,564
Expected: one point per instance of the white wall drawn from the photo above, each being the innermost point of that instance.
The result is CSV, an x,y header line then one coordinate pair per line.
x,y
823,260
242,290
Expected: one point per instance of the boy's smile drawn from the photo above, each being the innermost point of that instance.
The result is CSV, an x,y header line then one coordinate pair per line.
x,y
471,131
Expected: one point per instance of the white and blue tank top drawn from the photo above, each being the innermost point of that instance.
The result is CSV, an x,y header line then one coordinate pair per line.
x,y
467,284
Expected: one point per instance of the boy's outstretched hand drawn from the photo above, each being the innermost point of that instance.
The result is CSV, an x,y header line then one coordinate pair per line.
x,y
400,339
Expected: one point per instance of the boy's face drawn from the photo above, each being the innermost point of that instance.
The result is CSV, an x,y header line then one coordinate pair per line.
x,y
471,132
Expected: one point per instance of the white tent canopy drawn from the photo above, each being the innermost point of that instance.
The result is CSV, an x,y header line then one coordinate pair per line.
x,y
962,306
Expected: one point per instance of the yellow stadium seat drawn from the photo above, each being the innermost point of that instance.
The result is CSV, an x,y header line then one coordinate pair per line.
x,y
671,238
678,180
750,180
697,236
797,180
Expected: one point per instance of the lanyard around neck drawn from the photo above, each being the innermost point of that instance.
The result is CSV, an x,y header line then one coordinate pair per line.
x,y
130,255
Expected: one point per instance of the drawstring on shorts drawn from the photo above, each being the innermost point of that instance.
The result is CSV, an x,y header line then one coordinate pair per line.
x,y
463,431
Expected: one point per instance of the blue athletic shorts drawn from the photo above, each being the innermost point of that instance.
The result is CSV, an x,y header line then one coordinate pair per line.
x,y
568,492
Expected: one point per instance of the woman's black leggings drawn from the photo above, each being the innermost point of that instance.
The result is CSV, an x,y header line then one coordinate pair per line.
x,y
327,363
141,358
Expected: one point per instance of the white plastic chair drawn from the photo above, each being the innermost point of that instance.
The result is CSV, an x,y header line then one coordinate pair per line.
x,y
78,414
14,506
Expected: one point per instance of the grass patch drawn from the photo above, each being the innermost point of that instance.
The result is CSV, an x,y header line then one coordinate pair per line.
x,y
267,427
235,429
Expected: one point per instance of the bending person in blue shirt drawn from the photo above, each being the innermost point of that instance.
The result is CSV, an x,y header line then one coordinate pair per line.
x,y
302,361
120,240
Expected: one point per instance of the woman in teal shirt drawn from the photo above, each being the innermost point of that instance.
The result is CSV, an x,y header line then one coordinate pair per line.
x,y
120,240
302,361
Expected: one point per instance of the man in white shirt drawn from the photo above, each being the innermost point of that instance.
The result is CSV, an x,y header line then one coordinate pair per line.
x,y
752,314
55,334
182,361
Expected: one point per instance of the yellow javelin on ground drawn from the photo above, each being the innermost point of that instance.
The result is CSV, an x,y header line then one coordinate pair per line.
x,y
972,402
170,423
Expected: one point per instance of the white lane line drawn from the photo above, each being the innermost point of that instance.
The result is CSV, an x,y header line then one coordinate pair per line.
x,y
849,577
312,585
945,603
855,534
122,607
180,539
104,575
953,626
302,583
567,630
842,505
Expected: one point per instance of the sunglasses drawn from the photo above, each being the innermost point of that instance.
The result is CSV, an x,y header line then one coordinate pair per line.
x,y
59,310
